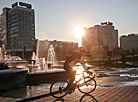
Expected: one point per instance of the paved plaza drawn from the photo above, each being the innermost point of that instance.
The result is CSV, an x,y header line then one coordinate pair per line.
x,y
112,88
101,94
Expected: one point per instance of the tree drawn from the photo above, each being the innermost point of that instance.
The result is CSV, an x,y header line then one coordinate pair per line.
x,y
118,51
123,59
133,51
98,52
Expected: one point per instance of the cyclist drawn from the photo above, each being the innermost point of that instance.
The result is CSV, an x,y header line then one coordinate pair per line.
x,y
71,59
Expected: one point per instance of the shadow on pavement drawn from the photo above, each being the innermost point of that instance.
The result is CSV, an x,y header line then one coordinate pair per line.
x,y
86,97
59,99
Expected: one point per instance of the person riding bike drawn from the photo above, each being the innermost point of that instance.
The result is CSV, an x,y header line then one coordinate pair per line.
x,y
71,59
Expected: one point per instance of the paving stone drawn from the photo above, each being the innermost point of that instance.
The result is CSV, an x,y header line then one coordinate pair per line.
x,y
101,94
112,95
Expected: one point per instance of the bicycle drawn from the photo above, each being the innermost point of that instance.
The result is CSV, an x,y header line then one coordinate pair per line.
x,y
86,84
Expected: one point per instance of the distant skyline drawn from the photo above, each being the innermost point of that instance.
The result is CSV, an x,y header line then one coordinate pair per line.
x,y
56,19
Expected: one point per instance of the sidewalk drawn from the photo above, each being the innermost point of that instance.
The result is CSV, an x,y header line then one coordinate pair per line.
x,y
13,95
101,94
107,90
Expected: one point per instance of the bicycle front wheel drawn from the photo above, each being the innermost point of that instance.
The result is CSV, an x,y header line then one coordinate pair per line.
x,y
57,89
87,85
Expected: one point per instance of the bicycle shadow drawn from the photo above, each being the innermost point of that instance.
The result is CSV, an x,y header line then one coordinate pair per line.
x,y
59,99
83,98
88,96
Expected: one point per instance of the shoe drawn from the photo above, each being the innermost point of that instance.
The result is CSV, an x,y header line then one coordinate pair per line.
x,y
60,90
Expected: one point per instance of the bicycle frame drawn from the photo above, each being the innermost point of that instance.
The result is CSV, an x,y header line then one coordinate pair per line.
x,y
57,89
76,83
63,83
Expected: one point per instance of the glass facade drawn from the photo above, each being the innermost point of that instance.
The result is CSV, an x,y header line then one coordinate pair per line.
x,y
21,28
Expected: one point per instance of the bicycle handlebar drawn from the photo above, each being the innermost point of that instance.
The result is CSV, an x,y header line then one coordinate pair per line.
x,y
90,73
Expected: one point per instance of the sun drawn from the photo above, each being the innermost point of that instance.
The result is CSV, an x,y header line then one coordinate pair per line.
x,y
78,31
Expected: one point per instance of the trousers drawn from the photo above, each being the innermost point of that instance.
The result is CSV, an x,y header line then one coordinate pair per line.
x,y
71,73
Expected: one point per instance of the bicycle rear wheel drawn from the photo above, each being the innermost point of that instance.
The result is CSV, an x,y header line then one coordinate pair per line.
x,y
87,85
57,89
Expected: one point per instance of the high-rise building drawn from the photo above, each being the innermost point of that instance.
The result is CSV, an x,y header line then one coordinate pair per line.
x,y
129,43
17,27
3,26
101,35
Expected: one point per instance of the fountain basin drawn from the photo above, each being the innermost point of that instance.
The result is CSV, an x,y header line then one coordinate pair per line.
x,y
12,78
3,65
45,77
16,64
20,64
49,64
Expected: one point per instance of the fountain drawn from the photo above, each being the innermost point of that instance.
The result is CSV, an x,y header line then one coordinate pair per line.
x,y
1,55
10,75
14,76
50,56
35,65
10,61
39,64
34,58
44,72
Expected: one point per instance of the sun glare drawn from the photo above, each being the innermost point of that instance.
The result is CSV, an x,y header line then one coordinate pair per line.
x,y
78,31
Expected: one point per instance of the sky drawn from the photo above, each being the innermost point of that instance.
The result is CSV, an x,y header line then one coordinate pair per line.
x,y
56,19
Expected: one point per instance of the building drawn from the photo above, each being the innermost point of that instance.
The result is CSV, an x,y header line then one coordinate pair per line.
x,y
42,48
129,43
61,48
90,38
17,29
104,35
3,26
